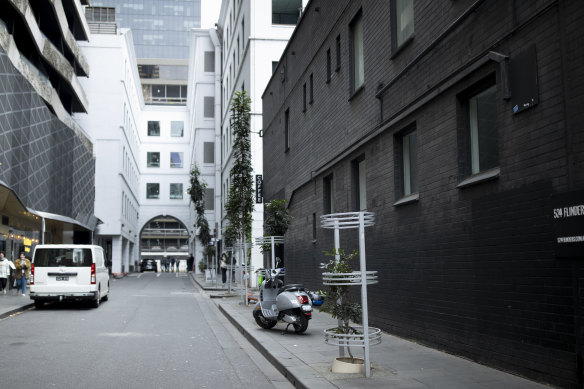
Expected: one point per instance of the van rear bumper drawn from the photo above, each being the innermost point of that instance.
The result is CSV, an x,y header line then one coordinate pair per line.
x,y
68,296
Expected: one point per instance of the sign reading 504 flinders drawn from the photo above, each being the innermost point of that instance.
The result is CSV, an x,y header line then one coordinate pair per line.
x,y
568,219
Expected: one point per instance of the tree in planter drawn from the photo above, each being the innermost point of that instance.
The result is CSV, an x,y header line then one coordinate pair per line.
x,y
336,296
197,195
239,205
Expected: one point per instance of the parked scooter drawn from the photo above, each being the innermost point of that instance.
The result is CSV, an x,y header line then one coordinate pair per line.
x,y
289,303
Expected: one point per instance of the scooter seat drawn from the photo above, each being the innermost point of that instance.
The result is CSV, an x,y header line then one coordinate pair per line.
x,y
291,287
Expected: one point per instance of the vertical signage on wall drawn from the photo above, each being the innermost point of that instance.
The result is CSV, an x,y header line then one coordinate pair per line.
x,y
259,195
568,221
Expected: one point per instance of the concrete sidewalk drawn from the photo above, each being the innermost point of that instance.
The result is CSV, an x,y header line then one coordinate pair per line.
x,y
397,363
12,303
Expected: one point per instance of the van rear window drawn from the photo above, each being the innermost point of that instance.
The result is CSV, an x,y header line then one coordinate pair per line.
x,y
62,257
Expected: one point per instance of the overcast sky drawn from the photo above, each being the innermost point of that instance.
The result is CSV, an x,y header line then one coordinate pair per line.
x,y
209,13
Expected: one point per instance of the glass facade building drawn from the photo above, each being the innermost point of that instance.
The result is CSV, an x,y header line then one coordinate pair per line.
x,y
160,27
161,33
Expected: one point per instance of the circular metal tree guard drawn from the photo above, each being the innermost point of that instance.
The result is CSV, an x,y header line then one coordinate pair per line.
x,y
239,245
368,336
273,240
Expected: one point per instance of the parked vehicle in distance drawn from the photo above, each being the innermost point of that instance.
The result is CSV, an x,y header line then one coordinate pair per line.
x,y
69,273
148,264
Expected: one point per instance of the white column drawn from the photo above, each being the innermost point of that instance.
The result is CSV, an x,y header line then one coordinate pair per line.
x,y
117,254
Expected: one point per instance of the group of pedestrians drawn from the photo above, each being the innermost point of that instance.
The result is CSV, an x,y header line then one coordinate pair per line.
x,y
18,271
167,265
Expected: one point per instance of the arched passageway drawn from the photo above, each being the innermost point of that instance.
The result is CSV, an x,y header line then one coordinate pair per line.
x,y
163,239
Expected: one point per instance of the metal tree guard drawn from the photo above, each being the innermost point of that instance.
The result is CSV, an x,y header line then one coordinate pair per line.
x,y
273,240
351,220
243,246
230,265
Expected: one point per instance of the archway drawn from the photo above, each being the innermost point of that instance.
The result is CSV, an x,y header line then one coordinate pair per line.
x,y
164,238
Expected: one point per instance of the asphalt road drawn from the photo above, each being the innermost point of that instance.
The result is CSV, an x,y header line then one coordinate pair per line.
x,y
156,331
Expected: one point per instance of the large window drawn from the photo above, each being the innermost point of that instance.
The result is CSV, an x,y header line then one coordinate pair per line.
x,y
406,163
153,128
329,194
402,21
359,184
152,191
209,152
209,61
209,199
287,130
176,191
208,107
482,118
177,129
286,11
176,159
357,61
153,159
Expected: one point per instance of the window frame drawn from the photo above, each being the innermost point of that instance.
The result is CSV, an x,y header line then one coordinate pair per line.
x,y
172,164
357,58
287,130
150,185
182,131
170,196
149,129
467,174
328,183
150,164
359,183
406,168
396,46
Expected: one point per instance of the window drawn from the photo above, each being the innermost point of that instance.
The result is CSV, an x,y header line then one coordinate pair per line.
x,y
208,108
314,226
328,65
153,159
402,21
209,152
406,163
482,117
338,43
359,184
304,97
176,159
311,99
209,62
153,128
176,191
286,11
287,130
357,63
177,129
152,191
329,194
209,199
274,66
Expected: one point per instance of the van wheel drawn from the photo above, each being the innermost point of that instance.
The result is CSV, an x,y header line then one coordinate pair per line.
x,y
39,304
95,303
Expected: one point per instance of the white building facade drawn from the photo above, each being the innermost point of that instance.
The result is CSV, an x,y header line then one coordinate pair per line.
x,y
253,37
113,122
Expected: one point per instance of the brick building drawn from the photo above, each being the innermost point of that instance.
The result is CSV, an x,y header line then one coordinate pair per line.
x,y
458,125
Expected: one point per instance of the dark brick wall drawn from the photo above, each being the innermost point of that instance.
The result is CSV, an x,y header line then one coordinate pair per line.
x,y
470,270
43,160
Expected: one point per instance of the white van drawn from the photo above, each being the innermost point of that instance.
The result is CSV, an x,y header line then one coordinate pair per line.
x,y
69,272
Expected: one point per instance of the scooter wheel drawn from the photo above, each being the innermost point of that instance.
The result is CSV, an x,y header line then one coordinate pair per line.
x,y
262,321
302,324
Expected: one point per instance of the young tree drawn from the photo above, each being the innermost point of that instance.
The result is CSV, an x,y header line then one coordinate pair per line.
x,y
239,205
197,194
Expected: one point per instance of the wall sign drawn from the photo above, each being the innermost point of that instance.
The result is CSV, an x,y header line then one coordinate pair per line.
x,y
568,221
259,189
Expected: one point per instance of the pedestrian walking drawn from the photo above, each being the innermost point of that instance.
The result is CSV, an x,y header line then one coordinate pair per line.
x,y
4,272
224,268
22,266
172,263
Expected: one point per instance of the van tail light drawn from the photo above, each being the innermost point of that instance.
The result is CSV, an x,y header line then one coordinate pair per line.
x,y
93,273
31,281
303,299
